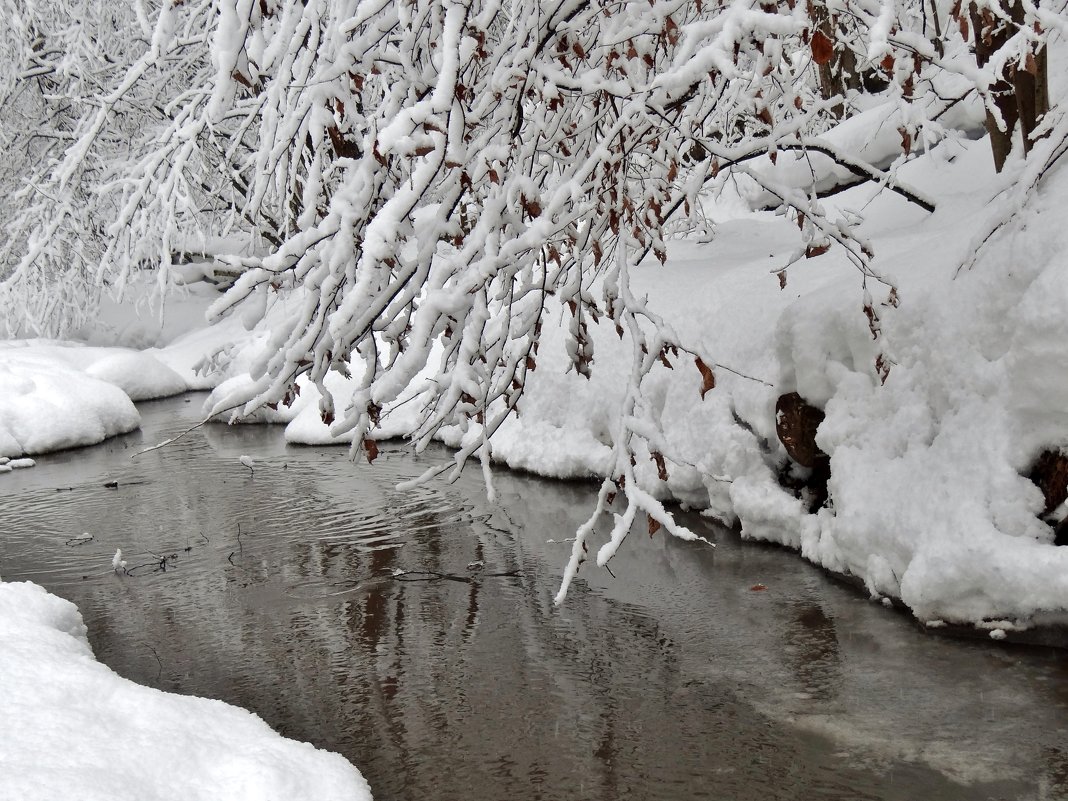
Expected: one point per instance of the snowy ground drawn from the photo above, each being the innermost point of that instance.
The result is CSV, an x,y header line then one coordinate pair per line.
x,y
928,500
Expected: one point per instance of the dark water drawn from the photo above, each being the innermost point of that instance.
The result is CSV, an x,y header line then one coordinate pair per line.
x,y
674,680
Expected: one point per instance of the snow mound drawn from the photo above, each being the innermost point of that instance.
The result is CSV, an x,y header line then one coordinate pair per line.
x,y
139,375
47,406
72,728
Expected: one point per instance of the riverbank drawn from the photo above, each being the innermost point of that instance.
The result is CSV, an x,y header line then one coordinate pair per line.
x,y
70,727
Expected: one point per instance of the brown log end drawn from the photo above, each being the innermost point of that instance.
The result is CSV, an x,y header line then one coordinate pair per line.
x,y
796,422
1050,474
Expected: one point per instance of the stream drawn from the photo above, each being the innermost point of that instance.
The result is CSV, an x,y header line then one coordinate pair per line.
x,y
415,633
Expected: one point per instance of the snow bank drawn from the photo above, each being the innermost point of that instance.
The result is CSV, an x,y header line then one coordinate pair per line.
x,y
138,375
56,395
46,405
72,728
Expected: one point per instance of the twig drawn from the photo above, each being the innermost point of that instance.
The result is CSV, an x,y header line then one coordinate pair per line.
x,y
178,436
433,575
743,375
74,542
170,441
158,661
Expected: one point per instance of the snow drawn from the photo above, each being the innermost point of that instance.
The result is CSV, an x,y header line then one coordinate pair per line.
x,y
138,375
47,404
71,728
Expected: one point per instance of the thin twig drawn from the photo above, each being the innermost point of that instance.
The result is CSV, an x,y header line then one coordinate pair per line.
x,y
158,662
192,428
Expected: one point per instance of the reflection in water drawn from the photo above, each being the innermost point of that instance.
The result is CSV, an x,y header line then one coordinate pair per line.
x,y
813,650
674,681
1056,779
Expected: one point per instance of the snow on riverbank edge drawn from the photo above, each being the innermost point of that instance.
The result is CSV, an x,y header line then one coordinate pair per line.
x,y
72,728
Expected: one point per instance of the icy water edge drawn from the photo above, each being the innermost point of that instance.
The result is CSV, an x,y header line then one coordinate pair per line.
x,y
675,680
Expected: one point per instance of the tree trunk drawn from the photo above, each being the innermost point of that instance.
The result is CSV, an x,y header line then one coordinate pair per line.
x,y
1021,93
840,73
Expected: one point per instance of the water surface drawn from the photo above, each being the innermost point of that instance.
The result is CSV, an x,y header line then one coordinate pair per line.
x,y
278,590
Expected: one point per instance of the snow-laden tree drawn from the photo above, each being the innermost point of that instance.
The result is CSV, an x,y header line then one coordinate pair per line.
x,y
60,64
429,179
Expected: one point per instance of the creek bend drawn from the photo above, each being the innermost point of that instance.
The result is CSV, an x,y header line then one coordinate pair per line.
x,y
674,680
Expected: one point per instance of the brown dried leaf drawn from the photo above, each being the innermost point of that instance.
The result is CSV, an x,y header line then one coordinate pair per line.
x,y
373,411
822,48
708,378
661,465
882,367
873,320
812,251
654,525
370,447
